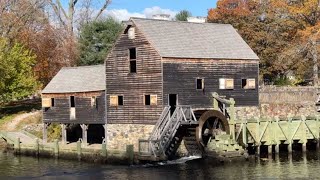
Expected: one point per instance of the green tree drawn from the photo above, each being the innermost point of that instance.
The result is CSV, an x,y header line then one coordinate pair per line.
x,y
96,40
183,15
16,76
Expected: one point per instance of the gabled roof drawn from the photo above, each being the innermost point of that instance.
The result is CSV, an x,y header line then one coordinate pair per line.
x,y
77,79
194,40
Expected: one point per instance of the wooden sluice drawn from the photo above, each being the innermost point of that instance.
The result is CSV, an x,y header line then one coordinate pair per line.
x,y
276,131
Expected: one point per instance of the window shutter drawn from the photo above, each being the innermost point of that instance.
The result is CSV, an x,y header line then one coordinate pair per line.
x,y
251,83
113,100
221,83
153,99
72,113
229,84
93,101
46,102
202,83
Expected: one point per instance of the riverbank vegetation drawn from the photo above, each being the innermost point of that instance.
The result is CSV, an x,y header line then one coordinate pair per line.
x,y
26,116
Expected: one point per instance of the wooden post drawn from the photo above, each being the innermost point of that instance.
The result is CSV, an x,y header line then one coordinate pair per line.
x,y
37,147
275,130
270,149
290,137
232,119
56,148
215,104
258,150
105,132
104,148
84,134
244,134
17,146
64,133
318,133
79,150
290,147
304,134
130,153
45,127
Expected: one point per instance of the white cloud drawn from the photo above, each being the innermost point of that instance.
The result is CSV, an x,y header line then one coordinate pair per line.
x,y
149,12
123,14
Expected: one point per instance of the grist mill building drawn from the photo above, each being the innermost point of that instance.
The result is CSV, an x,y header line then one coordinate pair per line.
x,y
154,64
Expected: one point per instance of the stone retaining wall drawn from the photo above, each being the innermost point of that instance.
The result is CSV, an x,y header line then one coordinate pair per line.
x,y
287,101
120,135
281,101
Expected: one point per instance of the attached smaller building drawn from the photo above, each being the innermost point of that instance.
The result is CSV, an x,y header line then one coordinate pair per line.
x,y
75,98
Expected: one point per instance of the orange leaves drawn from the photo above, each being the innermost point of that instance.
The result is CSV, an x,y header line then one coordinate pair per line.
x,y
231,8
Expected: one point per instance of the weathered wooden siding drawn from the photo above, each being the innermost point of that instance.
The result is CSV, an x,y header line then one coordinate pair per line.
x,y
133,86
179,77
85,113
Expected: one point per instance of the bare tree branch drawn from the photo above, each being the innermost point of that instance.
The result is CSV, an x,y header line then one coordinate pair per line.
x,y
57,12
104,7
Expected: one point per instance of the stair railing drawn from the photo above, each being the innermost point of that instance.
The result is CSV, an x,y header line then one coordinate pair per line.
x,y
166,127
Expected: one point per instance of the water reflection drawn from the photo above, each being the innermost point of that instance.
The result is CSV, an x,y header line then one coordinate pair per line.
x,y
283,166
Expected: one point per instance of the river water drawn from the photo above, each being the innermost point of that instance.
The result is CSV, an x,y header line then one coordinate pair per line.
x,y
297,166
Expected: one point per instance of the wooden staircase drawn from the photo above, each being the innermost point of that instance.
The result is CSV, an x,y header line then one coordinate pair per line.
x,y
167,133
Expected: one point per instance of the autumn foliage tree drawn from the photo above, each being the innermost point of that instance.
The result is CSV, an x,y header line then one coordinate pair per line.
x,y
272,31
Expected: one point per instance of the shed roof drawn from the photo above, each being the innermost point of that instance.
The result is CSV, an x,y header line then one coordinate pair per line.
x,y
194,40
77,79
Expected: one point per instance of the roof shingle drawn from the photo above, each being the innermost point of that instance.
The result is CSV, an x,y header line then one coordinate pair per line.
x,y
194,40
77,79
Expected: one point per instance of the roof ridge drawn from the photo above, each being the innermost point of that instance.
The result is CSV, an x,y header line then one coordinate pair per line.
x,y
79,67
173,21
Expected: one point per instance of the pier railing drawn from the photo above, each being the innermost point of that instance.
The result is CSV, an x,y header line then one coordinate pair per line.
x,y
276,131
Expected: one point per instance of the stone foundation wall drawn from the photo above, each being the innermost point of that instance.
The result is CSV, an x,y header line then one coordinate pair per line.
x,y
281,101
287,101
120,135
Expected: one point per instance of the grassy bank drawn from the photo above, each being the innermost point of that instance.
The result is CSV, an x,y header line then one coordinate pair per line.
x,y
26,116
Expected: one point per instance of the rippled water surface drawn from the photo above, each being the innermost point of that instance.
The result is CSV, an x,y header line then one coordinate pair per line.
x,y
301,167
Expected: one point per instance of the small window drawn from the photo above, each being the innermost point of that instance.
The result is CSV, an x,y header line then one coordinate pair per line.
x,y
248,83
147,100
52,102
72,101
132,52
200,83
120,100
226,83
116,100
133,66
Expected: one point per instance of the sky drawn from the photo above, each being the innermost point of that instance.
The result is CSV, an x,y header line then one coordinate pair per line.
x,y
124,9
